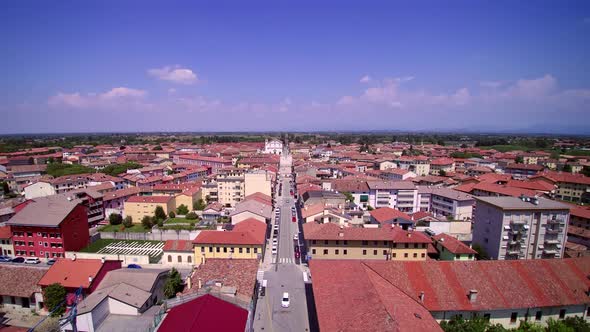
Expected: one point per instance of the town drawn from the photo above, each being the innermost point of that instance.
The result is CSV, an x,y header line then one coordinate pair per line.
x,y
295,232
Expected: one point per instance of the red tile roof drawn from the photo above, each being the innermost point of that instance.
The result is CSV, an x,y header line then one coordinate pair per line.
x,y
5,232
19,280
239,273
150,199
331,231
178,245
385,214
203,314
72,274
564,177
249,231
452,244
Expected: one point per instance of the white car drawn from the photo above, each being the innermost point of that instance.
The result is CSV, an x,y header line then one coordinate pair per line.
x,y
274,250
285,300
276,226
32,260
275,241
295,237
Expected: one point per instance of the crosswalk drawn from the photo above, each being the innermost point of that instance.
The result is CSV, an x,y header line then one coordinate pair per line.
x,y
284,260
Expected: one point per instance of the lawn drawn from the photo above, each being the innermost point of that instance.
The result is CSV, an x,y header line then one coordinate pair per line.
x,y
136,228
179,221
177,227
507,148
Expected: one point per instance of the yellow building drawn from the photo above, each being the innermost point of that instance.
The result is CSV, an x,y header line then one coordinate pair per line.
x,y
330,241
140,206
245,240
188,197
230,186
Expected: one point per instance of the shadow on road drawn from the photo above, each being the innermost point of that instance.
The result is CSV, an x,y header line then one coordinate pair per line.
x,y
311,311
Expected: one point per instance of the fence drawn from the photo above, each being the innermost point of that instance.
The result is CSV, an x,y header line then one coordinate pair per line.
x,y
154,235
127,259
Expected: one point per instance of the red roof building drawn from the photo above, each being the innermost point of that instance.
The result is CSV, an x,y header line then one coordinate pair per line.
x,y
206,313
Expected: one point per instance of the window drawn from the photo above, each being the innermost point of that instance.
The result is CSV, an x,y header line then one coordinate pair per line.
x,y
189,259
325,241
384,252
539,315
240,250
40,243
247,250
415,255
224,249
384,243
255,250
345,252
406,255
44,234
345,242
513,317
337,242
29,234
393,255
364,251
407,245
31,253
217,249
336,251
312,241
394,245
457,256
179,259
415,245
313,251
38,234
169,258
375,252
423,255
374,242
46,244
325,251
562,314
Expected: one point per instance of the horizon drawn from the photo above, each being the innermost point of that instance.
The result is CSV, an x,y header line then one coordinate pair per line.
x,y
475,67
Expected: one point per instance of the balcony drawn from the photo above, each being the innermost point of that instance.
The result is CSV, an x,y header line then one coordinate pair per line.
x,y
553,231
513,252
550,252
518,222
552,241
556,221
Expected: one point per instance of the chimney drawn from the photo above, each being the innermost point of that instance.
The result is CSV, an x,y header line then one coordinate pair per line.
x,y
89,279
472,295
102,259
409,234
74,257
189,282
422,297
200,284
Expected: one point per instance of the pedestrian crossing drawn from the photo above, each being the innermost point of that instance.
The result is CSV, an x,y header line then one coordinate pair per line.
x,y
284,260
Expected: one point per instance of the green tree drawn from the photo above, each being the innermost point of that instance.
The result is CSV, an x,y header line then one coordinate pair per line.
x,y
117,169
147,222
182,209
174,284
442,172
199,205
172,214
348,195
586,171
55,295
567,168
128,222
57,170
158,148
5,187
115,219
191,216
369,208
481,252
159,213
519,160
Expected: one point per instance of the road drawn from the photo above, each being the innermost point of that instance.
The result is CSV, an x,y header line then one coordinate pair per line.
x,y
281,271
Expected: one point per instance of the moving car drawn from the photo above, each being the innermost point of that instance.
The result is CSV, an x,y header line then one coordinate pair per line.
x,y
18,260
285,300
32,260
133,266
50,261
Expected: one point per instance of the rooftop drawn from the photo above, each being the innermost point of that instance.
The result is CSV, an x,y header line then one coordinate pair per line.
x,y
331,231
239,273
47,211
150,199
516,203
72,273
20,281
452,244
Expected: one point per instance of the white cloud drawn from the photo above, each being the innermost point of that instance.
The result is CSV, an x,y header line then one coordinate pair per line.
x,y
122,92
74,100
174,74
365,79
110,99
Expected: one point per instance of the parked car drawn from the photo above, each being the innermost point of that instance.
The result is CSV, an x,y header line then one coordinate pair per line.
x,y
297,254
50,261
18,260
5,259
274,250
133,266
32,260
294,219
295,237
285,302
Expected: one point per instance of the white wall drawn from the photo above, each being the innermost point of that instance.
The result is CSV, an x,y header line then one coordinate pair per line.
x,y
120,308
127,259
39,189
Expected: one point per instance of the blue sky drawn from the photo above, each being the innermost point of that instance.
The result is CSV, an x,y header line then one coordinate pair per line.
x,y
72,66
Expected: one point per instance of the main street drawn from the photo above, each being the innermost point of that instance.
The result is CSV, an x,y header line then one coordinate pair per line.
x,y
282,274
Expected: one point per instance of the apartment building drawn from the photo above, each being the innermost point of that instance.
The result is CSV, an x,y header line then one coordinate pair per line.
x,y
446,202
245,241
520,227
331,241
400,195
213,163
6,247
92,201
138,207
50,226
417,164
447,165
258,181
570,187
230,186
273,146
522,171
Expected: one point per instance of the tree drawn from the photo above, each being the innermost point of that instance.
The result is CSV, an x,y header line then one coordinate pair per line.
x,y
191,216
128,222
182,209
567,168
55,295
199,205
147,222
442,172
519,160
115,219
158,148
57,170
481,252
116,169
5,187
172,214
348,195
159,213
586,170
369,208
174,284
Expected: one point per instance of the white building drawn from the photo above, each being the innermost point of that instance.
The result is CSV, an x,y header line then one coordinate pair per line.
x,y
273,146
400,195
446,202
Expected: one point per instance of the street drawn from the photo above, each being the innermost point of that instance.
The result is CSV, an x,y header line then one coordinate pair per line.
x,y
281,271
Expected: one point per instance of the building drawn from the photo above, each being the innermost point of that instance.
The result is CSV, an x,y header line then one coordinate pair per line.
x,y
451,249
245,241
331,241
520,228
38,189
258,181
230,186
6,247
446,165
327,198
397,174
207,314
273,146
570,187
520,171
179,253
92,201
417,164
400,195
77,272
50,226
122,292
446,202
213,163
19,289
251,209
114,201
386,216
413,296
138,207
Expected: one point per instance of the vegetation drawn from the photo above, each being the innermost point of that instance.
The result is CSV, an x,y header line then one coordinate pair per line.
x,y
116,169
172,214
479,324
132,228
481,252
519,160
348,195
115,219
5,187
442,172
567,168
128,222
147,222
465,155
56,169
178,221
159,213
199,205
182,209
55,295
174,284
191,216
